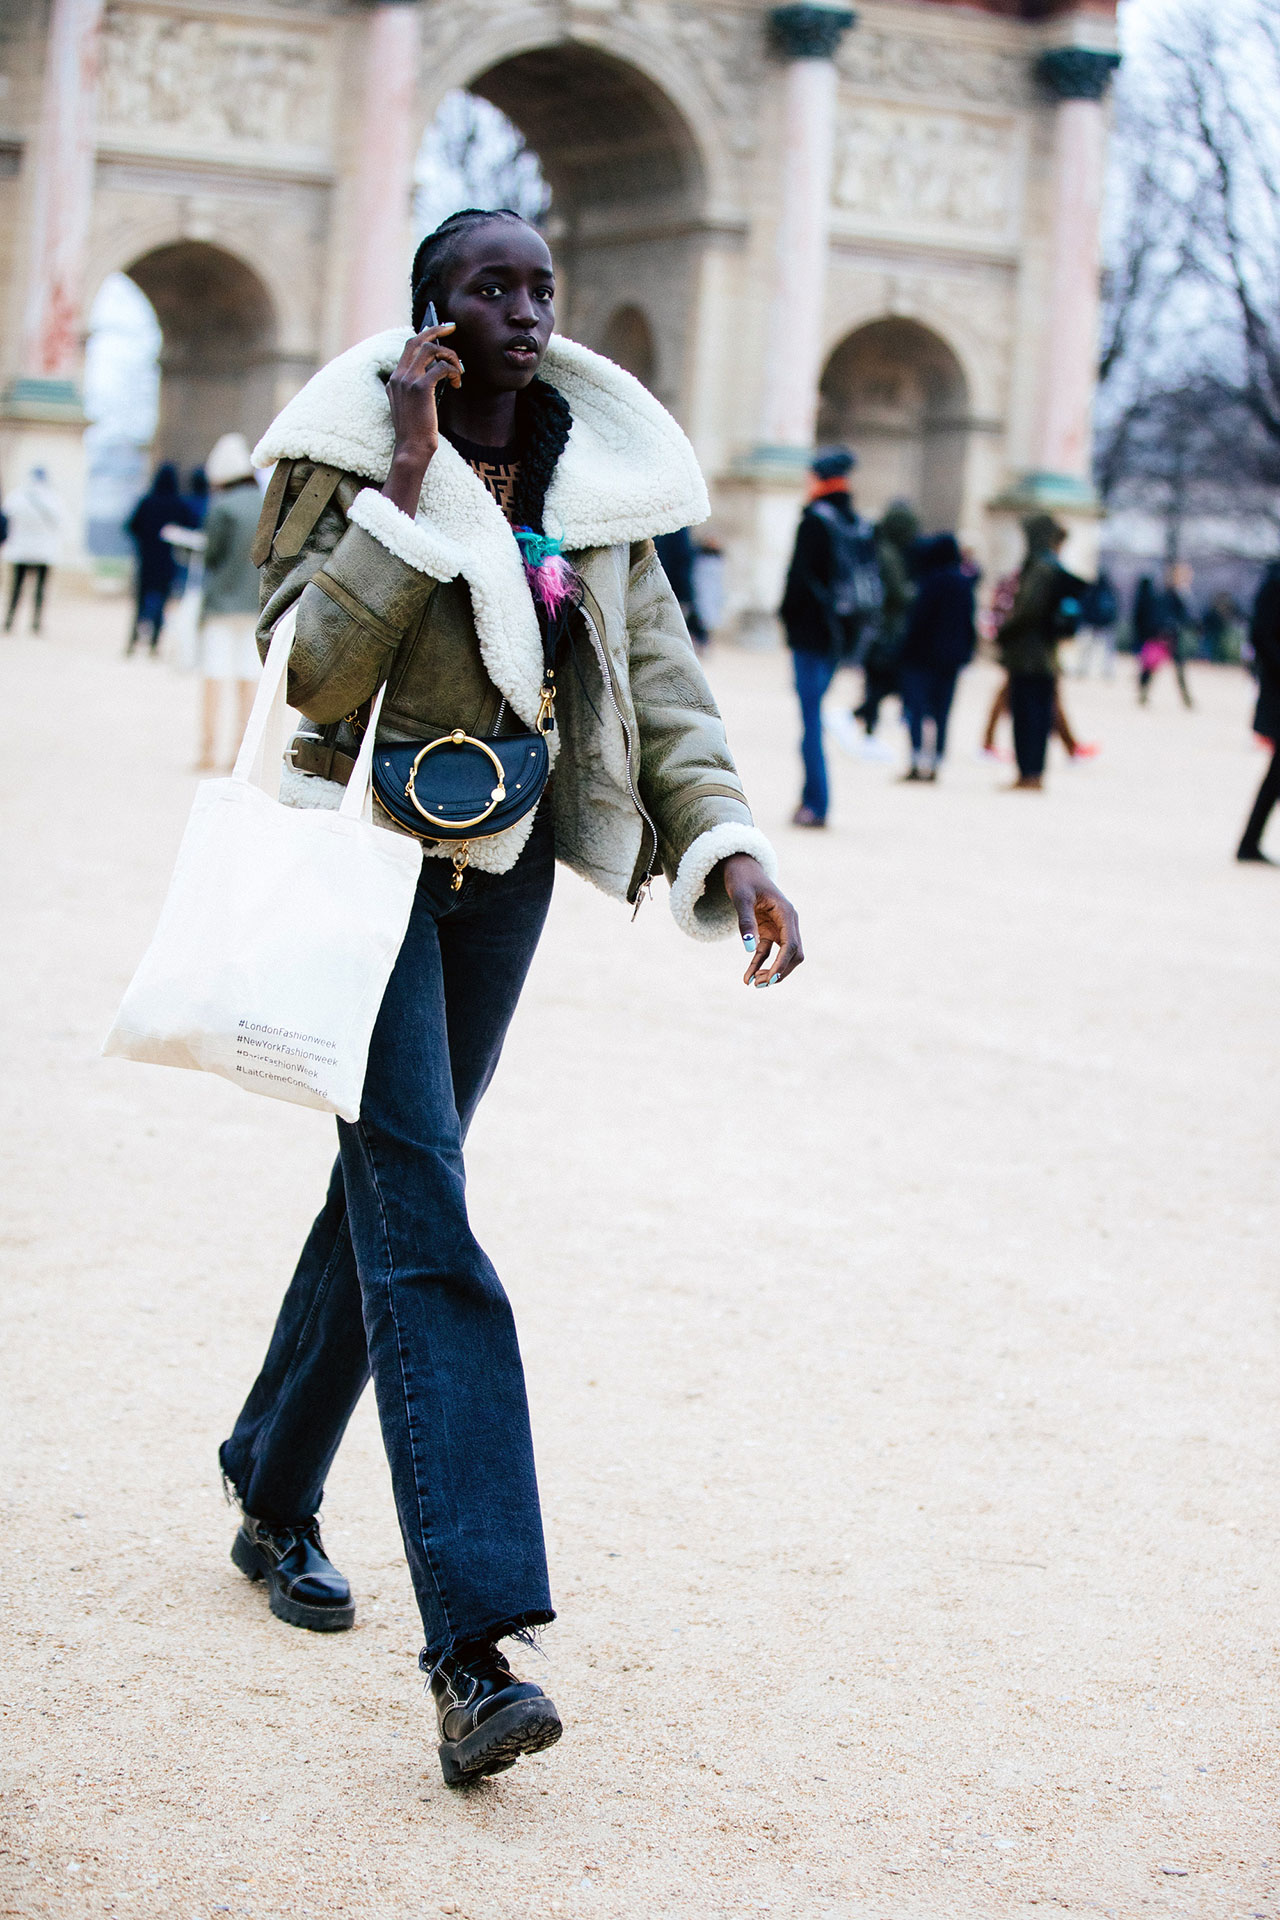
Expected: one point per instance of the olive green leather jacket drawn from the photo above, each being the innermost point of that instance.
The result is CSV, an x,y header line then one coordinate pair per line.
x,y
439,608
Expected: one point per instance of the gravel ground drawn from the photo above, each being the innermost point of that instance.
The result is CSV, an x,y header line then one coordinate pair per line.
x,y
901,1351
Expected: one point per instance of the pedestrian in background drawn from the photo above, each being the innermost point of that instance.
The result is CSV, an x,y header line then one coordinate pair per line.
x,y
1027,642
33,542
1161,618
1098,627
818,612
1002,605
939,640
1264,637
227,652
676,556
1220,626
156,571
880,651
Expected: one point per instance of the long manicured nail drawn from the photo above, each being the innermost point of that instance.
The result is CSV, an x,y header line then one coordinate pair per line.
x,y
749,942
761,980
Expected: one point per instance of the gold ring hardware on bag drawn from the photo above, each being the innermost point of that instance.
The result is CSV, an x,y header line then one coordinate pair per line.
x,y
457,739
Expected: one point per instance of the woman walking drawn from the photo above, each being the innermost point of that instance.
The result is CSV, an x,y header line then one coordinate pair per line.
x,y
1264,637
439,506
156,573
226,650
1161,622
939,641
33,542
1027,642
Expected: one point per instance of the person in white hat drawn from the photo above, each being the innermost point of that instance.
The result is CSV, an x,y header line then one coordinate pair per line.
x,y
227,653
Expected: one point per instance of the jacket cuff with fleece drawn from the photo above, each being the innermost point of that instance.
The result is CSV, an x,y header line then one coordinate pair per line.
x,y
712,916
416,543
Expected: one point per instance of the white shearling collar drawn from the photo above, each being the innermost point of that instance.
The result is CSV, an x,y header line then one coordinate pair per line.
x,y
627,473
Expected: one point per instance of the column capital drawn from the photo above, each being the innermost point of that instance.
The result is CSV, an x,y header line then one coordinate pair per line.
x,y
1076,73
809,32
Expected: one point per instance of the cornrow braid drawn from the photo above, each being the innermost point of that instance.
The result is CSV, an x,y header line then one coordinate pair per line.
x,y
543,422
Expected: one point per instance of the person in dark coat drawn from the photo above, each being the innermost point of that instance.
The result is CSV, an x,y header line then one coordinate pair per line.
x,y
818,636
675,556
1264,637
1161,618
161,506
896,538
1027,642
939,640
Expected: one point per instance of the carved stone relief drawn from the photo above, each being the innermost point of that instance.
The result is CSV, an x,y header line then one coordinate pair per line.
x,y
908,170
226,84
728,49
904,62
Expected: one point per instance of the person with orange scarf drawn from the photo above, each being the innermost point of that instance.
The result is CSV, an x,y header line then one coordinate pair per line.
x,y
819,632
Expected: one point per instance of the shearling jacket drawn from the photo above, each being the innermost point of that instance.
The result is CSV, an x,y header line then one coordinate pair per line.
x,y
439,607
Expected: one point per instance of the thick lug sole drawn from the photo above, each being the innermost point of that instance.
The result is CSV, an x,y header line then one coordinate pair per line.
x,y
526,1726
254,1565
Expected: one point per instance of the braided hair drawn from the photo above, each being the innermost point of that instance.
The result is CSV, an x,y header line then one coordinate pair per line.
x,y
543,418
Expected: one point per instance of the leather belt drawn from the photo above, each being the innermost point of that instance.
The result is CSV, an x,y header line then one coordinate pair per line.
x,y
311,755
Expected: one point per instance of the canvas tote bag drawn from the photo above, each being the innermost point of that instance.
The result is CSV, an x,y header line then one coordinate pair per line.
x,y
280,928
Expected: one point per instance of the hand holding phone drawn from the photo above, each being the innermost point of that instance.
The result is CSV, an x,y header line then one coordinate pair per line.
x,y
411,392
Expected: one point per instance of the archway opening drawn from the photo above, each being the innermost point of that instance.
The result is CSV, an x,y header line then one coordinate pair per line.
x,y
628,339
217,354
472,156
627,190
896,393
121,398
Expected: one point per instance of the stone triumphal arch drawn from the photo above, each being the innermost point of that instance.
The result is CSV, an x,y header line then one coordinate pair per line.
x,y
789,221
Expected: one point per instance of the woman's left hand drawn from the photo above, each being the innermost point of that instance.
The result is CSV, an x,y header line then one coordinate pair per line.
x,y
766,919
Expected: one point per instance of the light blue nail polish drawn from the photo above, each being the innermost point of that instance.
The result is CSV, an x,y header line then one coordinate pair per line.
x,y
749,942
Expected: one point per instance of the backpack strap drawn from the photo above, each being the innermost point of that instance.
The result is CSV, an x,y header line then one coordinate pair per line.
x,y
267,519
305,511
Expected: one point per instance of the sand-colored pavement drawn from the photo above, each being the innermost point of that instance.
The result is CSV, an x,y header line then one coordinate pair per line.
x,y
901,1348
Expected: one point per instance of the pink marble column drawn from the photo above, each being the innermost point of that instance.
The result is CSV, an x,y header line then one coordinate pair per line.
x,y
1071,337
1068,376
808,37
62,200
386,146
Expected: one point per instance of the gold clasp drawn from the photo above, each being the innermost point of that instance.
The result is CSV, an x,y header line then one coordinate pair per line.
x,y
460,856
547,709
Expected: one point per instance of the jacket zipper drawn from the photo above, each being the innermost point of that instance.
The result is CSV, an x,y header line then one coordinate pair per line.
x,y
646,885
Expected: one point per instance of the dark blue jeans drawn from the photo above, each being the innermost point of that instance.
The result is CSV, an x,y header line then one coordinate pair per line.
x,y
1031,697
392,1280
927,693
814,673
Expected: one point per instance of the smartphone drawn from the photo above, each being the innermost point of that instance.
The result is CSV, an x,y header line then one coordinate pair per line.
x,y
429,318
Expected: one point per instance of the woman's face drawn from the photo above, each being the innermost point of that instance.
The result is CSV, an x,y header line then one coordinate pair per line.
x,y
501,298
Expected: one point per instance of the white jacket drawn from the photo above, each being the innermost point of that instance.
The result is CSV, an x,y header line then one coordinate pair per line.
x,y
35,515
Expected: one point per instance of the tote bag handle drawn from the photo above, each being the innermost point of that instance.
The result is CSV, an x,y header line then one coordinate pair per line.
x,y
261,754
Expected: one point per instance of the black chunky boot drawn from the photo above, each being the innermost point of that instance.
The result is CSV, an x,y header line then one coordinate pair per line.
x,y
303,1585
487,1717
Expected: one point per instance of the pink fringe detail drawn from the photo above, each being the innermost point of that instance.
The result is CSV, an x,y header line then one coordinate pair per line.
x,y
554,582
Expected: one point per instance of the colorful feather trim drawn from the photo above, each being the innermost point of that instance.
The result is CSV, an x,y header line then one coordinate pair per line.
x,y
552,580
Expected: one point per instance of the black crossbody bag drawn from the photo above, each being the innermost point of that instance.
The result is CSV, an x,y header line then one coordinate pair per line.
x,y
463,786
